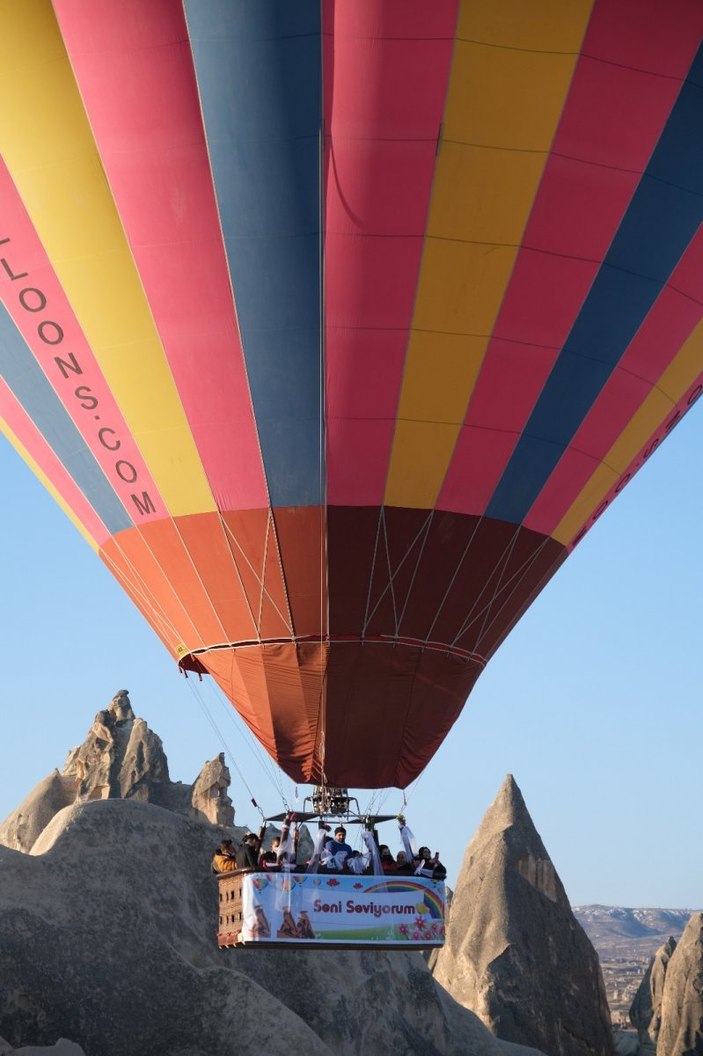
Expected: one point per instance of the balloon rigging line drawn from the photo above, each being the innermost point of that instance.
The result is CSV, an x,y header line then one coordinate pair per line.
x,y
390,574
181,637
259,579
514,579
200,578
321,731
456,573
428,525
218,732
496,575
271,771
368,617
517,578
235,565
139,588
208,715
259,617
272,529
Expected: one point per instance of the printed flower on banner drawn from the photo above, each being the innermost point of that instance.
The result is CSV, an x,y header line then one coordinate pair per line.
x,y
416,936
357,884
419,923
403,929
333,883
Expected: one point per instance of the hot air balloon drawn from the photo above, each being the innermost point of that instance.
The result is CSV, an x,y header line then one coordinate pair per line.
x,y
334,327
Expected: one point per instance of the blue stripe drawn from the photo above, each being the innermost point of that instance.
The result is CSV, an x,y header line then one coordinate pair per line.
x,y
259,71
664,215
24,377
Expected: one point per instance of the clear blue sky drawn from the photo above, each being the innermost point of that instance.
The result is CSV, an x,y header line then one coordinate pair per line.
x,y
593,703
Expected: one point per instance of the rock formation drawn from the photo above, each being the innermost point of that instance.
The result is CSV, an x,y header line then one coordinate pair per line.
x,y
210,797
515,954
107,937
107,931
681,1030
121,758
645,1011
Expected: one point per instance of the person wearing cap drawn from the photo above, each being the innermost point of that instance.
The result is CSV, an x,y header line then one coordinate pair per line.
x,y
224,859
338,848
248,851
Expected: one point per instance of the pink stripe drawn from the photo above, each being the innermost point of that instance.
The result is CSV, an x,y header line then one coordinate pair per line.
x,y
148,127
612,121
36,446
666,328
35,300
386,69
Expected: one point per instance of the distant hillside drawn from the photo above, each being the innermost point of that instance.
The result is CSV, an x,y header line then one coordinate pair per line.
x,y
632,934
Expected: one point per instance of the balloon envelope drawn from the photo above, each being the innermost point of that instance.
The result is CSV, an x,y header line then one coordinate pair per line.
x,y
334,327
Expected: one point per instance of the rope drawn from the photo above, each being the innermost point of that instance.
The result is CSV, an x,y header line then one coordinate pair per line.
x,y
367,616
228,543
428,524
321,732
221,738
497,573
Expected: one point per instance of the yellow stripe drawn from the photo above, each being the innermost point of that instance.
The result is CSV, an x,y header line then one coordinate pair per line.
x,y
512,67
34,466
674,382
50,151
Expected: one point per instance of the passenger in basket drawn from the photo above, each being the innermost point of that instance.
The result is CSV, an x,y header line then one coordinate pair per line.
x,y
426,865
248,851
287,850
269,859
388,862
338,848
224,859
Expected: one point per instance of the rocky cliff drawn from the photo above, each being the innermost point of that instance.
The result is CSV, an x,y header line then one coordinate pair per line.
x,y
681,1030
645,1011
515,954
107,935
121,758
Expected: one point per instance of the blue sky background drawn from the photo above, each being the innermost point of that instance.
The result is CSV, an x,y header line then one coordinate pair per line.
x,y
593,703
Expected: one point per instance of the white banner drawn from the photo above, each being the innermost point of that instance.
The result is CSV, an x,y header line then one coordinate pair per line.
x,y
407,911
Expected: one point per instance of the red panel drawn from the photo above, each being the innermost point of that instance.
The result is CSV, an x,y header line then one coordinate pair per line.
x,y
386,71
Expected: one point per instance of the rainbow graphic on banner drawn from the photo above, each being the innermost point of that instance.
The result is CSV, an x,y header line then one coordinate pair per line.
x,y
433,899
